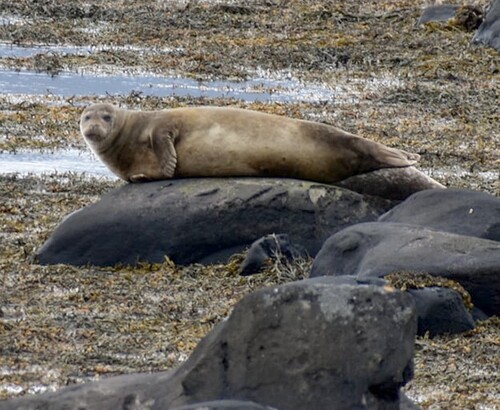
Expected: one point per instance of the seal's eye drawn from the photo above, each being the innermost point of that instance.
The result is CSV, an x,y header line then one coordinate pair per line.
x,y
106,118
86,118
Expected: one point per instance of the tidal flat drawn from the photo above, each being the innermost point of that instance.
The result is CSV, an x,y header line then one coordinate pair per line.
x,y
363,66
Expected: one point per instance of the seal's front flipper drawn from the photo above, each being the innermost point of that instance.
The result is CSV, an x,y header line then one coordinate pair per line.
x,y
162,144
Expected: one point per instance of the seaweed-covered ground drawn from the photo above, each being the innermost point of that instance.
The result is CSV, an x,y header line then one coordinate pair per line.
x,y
423,89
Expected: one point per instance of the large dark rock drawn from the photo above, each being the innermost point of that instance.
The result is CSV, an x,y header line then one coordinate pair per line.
x,y
380,248
489,31
460,211
308,345
203,220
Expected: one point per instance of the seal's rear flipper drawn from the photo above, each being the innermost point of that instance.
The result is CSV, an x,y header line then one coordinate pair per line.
x,y
375,155
393,157
411,157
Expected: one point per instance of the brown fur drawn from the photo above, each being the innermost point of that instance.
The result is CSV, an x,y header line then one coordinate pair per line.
x,y
211,141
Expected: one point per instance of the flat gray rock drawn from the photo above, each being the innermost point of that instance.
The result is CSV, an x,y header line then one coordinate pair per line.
x,y
439,12
203,220
380,248
313,344
461,211
488,32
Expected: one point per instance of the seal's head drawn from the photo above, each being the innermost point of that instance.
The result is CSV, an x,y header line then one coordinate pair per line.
x,y
100,122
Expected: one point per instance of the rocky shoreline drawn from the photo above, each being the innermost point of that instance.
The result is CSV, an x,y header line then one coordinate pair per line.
x,y
61,325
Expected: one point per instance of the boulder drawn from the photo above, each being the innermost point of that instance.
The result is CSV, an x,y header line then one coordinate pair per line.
x,y
203,220
460,211
489,31
380,248
313,344
441,310
390,183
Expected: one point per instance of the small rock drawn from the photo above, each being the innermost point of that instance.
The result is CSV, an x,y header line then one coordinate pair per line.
x,y
440,311
270,247
392,183
439,12
466,17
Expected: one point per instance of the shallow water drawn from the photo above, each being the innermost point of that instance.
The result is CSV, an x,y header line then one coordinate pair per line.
x,y
60,161
12,50
79,84
265,86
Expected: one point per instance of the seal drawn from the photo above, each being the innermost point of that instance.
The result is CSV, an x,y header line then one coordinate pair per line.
x,y
217,141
